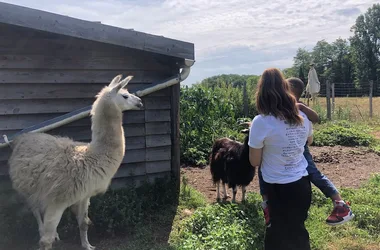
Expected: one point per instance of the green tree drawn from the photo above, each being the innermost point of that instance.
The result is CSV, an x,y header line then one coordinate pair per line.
x,y
342,67
302,61
322,56
290,72
224,80
365,45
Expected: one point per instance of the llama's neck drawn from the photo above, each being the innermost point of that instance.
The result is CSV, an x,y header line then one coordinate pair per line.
x,y
245,152
107,131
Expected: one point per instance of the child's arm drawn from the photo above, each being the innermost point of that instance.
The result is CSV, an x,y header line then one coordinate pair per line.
x,y
309,140
311,114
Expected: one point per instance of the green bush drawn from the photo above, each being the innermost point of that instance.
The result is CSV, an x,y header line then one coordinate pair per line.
x,y
207,114
342,133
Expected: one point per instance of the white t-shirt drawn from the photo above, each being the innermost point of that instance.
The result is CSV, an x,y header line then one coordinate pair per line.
x,y
283,147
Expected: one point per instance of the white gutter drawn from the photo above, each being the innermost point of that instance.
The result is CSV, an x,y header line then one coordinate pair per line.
x,y
84,112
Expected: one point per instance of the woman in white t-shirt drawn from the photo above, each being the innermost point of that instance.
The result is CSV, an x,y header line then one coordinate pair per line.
x,y
277,138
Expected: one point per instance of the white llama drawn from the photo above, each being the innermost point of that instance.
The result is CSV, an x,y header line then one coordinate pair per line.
x,y
54,173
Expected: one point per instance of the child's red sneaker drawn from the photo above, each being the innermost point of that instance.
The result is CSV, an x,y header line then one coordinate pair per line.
x,y
341,214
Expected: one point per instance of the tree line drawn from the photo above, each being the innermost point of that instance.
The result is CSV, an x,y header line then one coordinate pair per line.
x,y
353,60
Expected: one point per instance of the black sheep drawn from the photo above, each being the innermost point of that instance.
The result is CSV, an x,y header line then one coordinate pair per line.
x,y
229,164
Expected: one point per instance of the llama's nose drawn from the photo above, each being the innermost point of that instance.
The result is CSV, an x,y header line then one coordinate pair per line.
x,y
140,105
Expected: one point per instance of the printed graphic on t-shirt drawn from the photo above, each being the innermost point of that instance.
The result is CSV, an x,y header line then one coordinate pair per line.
x,y
294,135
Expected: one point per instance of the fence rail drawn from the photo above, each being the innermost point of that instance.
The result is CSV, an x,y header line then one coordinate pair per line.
x,y
349,100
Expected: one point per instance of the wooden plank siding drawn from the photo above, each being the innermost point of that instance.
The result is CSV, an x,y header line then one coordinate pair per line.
x,y
57,105
56,91
146,141
175,137
43,76
138,180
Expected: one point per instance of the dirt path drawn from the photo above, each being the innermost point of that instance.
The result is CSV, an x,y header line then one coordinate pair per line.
x,y
344,166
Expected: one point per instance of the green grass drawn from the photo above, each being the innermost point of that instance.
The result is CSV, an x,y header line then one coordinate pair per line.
x,y
241,226
189,198
349,108
156,233
142,246
195,224
222,226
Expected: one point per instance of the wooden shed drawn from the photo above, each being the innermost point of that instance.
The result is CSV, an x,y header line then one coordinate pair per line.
x,y
51,65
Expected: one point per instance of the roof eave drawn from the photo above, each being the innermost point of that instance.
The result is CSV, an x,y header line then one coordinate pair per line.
x,y
95,31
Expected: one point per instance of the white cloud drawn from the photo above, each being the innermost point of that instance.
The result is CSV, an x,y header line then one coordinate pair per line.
x,y
268,31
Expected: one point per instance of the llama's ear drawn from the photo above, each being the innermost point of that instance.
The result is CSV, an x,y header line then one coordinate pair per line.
x,y
125,82
115,81
247,124
116,88
122,84
244,131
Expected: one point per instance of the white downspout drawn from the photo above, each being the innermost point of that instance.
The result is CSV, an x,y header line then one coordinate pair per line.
x,y
78,114
181,76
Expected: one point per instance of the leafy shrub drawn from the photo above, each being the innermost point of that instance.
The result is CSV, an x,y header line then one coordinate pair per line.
x,y
207,114
342,133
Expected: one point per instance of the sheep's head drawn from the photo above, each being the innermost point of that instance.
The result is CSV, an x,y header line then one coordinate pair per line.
x,y
123,99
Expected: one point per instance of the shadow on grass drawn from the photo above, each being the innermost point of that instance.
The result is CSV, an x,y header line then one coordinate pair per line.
x,y
123,219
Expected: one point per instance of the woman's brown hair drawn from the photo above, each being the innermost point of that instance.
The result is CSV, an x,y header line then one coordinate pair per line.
x,y
273,97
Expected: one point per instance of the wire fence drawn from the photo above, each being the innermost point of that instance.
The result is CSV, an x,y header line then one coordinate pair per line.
x,y
348,101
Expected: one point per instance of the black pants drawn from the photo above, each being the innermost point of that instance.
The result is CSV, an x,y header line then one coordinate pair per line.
x,y
288,208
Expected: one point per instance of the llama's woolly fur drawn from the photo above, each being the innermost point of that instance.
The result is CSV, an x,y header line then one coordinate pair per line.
x,y
53,173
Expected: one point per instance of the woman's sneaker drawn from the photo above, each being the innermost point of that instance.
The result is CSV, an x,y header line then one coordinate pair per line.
x,y
341,214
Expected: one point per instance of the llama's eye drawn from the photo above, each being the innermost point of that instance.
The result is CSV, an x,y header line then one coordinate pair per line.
x,y
125,96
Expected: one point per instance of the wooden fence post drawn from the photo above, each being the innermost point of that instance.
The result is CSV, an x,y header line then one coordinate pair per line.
x,y
328,100
370,98
333,97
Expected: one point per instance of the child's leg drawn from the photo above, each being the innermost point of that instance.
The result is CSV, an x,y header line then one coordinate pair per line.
x,y
318,179
263,193
341,212
262,186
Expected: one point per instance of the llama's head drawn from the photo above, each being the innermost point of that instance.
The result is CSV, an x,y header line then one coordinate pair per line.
x,y
246,130
123,99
